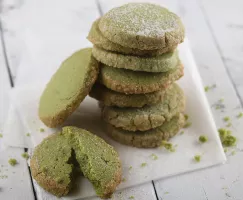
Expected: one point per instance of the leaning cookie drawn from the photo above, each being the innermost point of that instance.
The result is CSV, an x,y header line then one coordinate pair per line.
x,y
161,63
112,98
147,139
96,37
54,160
131,82
142,26
68,87
147,117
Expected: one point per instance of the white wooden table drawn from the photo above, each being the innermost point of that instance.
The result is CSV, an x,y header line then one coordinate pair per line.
x,y
215,30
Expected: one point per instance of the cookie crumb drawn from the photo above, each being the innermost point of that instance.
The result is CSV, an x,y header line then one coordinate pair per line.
x,y
168,146
240,115
182,132
154,157
186,117
28,134
187,125
226,119
233,153
25,155
124,180
130,167
166,192
143,164
203,138
131,197
197,158
12,161
229,124
226,138
42,130
206,88
1,135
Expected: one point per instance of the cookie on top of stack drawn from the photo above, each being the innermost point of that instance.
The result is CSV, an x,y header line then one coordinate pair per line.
x,y
136,47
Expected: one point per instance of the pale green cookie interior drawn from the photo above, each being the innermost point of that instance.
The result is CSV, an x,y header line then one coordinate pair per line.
x,y
160,63
96,37
142,26
68,87
147,139
147,117
137,82
98,161
113,98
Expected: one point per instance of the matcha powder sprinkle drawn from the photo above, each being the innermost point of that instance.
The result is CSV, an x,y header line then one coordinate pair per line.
x,y
12,161
203,138
25,155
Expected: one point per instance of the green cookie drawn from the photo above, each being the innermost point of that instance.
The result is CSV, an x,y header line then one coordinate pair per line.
x,y
54,162
147,139
96,37
113,98
132,82
68,87
147,117
161,63
142,26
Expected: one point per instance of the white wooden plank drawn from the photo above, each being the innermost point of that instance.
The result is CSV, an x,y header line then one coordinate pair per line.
x,y
228,31
15,182
215,183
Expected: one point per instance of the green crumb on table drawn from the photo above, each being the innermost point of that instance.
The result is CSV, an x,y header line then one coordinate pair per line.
x,y
229,124
12,161
166,192
154,157
130,167
187,125
240,115
143,164
124,180
226,119
28,134
182,132
25,155
197,158
1,135
168,146
221,100
42,130
131,197
206,88
226,137
225,150
203,138
186,117
233,153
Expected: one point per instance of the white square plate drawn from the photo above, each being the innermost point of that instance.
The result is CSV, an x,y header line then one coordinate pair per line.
x,y
25,99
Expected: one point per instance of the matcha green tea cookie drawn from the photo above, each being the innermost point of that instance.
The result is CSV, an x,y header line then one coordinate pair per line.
x,y
147,139
147,117
68,87
113,98
133,82
55,159
142,26
96,37
161,63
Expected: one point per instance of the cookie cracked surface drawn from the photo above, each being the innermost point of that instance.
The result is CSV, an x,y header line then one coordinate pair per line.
x,y
147,117
55,159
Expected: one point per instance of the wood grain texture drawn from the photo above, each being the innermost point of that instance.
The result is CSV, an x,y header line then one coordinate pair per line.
x,y
15,182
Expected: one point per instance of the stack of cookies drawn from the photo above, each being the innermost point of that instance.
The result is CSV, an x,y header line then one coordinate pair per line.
x,y
136,47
